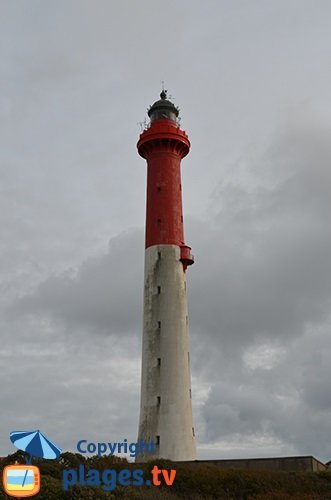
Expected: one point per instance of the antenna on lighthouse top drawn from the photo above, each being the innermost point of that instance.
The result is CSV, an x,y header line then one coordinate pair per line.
x,y
163,94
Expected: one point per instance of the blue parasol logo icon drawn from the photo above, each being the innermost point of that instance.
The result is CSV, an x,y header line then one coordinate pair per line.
x,y
35,444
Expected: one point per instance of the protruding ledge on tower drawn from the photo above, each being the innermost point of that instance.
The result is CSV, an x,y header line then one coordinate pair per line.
x,y
185,256
163,135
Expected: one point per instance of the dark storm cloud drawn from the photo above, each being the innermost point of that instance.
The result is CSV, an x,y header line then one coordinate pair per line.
x,y
288,402
104,293
269,300
266,262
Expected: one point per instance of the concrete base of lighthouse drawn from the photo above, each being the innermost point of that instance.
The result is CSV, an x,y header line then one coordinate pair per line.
x,y
166,405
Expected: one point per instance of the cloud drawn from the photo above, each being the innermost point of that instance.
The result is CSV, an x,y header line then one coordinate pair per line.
x,y
103,293
264,262
72,386
261,301
288,403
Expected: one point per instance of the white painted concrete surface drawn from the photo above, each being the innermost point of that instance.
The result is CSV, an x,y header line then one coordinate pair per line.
x,y
166,405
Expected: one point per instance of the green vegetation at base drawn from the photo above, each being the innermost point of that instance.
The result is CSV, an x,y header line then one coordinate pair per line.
x,y
194,483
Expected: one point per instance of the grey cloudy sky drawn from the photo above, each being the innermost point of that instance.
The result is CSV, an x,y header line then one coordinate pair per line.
x,y
253,83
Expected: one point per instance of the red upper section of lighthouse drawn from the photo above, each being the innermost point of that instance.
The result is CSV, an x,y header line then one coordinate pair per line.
x,y
163,144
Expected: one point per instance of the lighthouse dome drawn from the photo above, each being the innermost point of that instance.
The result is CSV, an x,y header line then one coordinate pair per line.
x,y
163,108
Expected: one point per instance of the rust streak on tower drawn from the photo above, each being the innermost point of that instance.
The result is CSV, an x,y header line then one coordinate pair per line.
x,y
166,404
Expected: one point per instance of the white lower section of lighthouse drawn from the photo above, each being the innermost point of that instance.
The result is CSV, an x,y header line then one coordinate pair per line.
x,y
166,404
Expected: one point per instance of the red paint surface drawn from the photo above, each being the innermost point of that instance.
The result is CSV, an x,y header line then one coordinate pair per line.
x,y
164,145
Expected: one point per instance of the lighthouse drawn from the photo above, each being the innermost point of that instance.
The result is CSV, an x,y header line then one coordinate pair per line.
x,y
166,397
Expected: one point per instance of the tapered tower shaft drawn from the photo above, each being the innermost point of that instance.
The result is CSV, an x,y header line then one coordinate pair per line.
x,y
166,404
